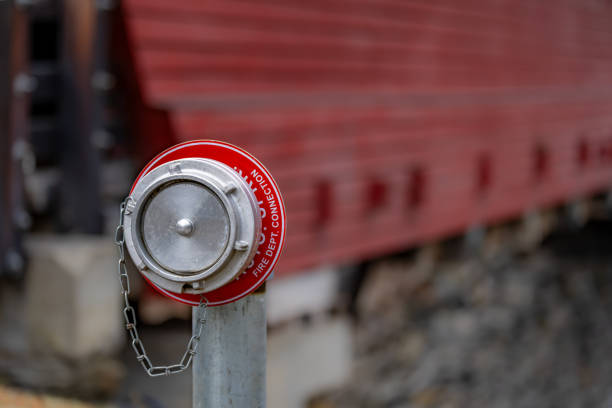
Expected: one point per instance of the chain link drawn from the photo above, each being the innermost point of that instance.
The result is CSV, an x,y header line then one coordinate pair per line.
x,y
129,315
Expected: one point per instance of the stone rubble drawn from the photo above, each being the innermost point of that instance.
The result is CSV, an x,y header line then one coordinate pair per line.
x,y
510,332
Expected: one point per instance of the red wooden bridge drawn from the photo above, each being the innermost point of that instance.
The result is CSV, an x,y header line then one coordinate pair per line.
x,y
388,123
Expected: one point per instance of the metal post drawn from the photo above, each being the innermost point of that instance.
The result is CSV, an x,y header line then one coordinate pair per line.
x,y
229,369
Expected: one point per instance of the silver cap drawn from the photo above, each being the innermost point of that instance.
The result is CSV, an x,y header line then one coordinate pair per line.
x,y
193,225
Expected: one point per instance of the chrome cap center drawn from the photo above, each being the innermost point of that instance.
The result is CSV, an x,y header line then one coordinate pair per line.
x,y
184,226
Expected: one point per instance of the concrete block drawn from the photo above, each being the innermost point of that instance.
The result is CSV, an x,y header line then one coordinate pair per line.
x,y
73,303
306,293
304,360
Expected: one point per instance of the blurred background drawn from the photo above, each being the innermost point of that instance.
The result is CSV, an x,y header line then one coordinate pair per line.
x,y
446,168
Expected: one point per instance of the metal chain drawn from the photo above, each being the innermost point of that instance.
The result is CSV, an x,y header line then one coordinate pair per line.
x,y
129,316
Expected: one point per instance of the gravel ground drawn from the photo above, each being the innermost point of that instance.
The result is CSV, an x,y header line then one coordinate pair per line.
x,y
13,398
514,331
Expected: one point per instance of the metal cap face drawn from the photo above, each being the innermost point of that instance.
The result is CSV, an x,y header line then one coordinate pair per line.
x,y
192,225
205,217
185,227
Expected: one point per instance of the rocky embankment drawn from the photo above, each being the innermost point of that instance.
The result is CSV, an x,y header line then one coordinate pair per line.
x,y
511,331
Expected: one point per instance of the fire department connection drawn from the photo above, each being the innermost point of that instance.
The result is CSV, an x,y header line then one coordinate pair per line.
x,y
204,224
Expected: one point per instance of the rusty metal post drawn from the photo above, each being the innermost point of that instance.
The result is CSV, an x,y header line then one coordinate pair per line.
x,y
6,11
16,86
80,161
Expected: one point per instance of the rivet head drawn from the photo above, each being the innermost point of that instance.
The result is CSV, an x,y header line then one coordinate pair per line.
x,y
184,226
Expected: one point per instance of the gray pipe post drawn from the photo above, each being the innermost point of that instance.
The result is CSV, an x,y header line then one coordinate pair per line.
x,y
229,369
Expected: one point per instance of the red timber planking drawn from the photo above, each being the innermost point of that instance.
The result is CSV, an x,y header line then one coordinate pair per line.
x,y
387,123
